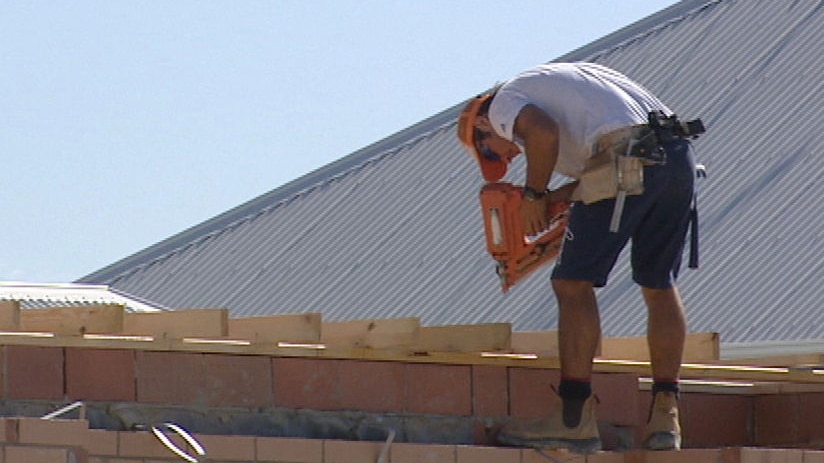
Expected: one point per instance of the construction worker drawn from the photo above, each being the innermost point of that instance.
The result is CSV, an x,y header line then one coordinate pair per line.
x,y
635,173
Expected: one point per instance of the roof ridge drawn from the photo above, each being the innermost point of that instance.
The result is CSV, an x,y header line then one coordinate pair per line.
x,y
624,36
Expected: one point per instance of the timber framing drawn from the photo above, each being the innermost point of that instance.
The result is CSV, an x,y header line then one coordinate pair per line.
x,y
402,340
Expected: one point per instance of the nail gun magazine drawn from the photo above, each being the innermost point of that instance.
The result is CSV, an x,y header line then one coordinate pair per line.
x,y
516,255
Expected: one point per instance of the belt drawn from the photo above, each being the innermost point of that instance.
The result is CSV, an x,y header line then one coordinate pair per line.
x,y
619,138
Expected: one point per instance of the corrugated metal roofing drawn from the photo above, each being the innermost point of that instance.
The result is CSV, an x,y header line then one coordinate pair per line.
x,y
394,230
46,295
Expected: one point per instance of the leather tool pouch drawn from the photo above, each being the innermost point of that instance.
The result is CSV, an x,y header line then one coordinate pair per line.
x,y
608,172
619,167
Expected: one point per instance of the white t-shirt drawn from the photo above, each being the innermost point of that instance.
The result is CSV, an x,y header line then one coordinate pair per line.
x,y
585,99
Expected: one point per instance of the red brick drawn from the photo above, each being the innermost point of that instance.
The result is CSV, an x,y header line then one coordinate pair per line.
x,y
813,456
51,432
237,380
144,444
227,448
530,392
336,451
478,454
601,457
549,456
812,426
100,442
683,456
35,454
372,386
776,419
292,450
617,398
422,453
34,372
169,377
490,391
100,374
306,383
715,420
439,389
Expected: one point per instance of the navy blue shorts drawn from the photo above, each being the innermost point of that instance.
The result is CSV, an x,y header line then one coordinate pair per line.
x,y
656,221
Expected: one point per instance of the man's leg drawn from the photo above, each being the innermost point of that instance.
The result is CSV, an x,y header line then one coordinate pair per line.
x,y
665,336
579,331
573,425
666,332
579,327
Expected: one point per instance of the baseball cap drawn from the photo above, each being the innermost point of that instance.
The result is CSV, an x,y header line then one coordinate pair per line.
x,y
493,167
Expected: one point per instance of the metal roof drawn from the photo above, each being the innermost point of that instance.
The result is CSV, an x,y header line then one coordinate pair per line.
x,y
46,295
395,230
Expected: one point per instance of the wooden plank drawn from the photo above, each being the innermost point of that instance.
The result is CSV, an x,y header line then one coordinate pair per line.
x,y
543,343
9,315
699,347
465,338
296,328
394,333
74,321
792,360
178,324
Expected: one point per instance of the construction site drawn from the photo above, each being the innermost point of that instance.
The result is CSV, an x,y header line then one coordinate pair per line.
x,y
354,314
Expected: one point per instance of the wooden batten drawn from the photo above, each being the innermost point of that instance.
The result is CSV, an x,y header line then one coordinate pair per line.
x,y
294,328
394,333
74,321
543,343
9,315
492,337
699,347
178,324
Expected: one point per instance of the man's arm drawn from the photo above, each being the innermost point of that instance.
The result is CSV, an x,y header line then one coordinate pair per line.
x,y
539,133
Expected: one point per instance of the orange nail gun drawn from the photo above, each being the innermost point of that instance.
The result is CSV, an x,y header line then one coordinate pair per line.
x,y
516,254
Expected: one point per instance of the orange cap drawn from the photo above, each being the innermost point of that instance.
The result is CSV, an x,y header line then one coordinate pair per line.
x,y
493,168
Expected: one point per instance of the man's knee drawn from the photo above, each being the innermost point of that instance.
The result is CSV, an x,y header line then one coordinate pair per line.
x,y
572,289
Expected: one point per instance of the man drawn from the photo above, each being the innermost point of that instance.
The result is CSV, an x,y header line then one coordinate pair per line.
x,y
580,120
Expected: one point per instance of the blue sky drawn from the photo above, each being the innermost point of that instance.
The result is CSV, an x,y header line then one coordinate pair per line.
x,y
126,122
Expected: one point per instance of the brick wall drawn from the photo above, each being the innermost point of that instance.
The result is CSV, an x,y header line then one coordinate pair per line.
x,y
32,440
474,398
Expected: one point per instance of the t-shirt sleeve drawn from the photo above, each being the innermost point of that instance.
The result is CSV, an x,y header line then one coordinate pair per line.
x,y
504,109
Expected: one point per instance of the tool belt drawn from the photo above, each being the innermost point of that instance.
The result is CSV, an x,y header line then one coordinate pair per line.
x,y
610,170
617,168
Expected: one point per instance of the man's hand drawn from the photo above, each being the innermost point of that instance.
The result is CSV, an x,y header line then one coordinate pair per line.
x,y
563,194
533,216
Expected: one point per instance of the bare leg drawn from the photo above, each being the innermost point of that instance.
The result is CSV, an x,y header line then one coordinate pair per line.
x,y
579,327
666,331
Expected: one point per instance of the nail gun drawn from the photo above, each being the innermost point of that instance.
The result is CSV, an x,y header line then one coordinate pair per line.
x,y
515,253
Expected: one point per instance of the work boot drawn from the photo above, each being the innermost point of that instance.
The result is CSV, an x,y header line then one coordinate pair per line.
x,y
551,432
663,428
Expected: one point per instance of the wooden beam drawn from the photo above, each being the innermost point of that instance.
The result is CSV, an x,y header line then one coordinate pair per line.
x,y
543,343
296,328
178,324
394,333
9,315
699,347
465,338
74,321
